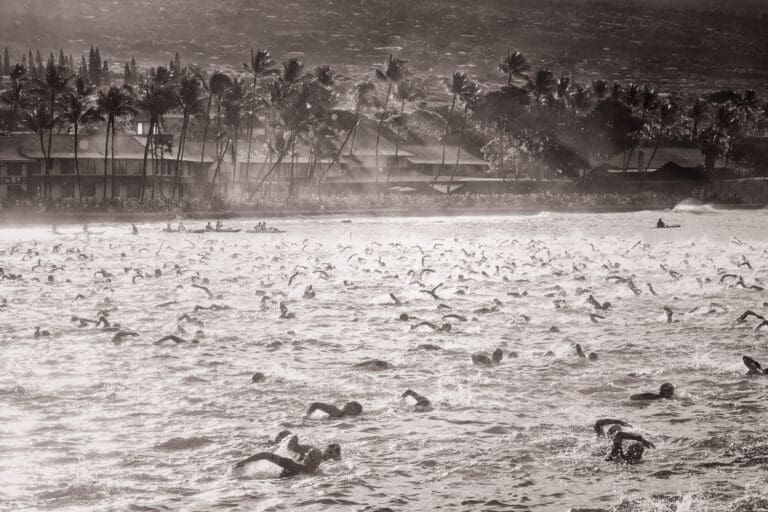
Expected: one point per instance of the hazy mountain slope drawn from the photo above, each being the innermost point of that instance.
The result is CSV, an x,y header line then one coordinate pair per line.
x,y
682,43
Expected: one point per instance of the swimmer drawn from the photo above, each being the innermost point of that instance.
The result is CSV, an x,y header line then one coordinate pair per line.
x,y
666,391
443,328
284,313
668,311
331,452
597,305
118,337
747,314
351,409
481,359
134,229
634,453
374,364
173,338
615,426
208,226
580,353
660,224
421,402
39,333
753,366
289,466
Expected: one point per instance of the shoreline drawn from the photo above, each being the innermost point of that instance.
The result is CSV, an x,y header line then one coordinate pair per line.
x,y
13,217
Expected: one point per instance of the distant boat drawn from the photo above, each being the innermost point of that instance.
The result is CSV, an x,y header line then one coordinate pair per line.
x,y
668,226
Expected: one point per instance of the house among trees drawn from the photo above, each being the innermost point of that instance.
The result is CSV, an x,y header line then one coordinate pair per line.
x,y
648,165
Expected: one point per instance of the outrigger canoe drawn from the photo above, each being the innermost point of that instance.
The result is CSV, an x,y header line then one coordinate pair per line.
x,y
668,227
264,231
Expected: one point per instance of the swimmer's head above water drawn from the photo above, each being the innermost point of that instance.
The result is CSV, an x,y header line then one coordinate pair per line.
x,y
352,409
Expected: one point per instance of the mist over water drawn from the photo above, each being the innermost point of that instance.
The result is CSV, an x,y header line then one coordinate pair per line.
x,y
87,424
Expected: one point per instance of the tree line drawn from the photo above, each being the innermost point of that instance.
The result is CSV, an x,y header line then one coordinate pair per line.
x,y
534,123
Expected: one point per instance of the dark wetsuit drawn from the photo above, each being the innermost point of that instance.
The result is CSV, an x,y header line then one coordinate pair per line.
x,y
667,391
290,467
634,453
422,402
753,366
350,409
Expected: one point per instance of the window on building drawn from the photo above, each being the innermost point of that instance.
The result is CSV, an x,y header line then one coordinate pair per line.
x,y
67,190
34,168
16,169
89,189
67,166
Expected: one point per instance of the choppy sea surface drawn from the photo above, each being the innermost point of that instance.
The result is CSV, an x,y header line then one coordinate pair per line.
x,y
88,424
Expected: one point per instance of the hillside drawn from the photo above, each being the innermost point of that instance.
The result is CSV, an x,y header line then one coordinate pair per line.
x,y
675,44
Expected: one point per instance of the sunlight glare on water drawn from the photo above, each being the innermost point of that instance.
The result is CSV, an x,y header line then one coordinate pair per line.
x,y
88,424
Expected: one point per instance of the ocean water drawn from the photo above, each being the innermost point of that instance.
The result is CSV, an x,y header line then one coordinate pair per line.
x,y
87,424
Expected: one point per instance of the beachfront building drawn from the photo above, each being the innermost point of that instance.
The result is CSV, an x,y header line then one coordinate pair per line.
x,y
14,168
24,166
650,167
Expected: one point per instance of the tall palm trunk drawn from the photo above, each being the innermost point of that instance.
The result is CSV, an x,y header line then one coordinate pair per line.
x,y
337,155
293,160
397,143
106,158
180,155
219,159
248,157
274,166
48,163
205,130
77,167
353,131
114,181
445,138
144,162
458,150
381,125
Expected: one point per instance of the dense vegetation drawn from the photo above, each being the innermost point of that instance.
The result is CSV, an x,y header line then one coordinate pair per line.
x,y
533,123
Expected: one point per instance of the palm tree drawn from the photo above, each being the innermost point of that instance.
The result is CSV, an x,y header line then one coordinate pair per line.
x,y
53,85
217,86
455,86
542,86
469,94
514,65
698,111
363,98
260,65
393,74
407,91
580,99
38,119
189,97
600,89
711,140
13,96
299,107
234,101
667,113
157,95
79,111
115,102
